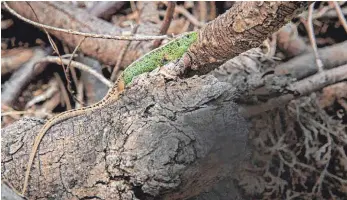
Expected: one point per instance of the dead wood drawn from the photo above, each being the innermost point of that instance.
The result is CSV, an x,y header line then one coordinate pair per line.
x,y
106,9
167,139
289,41
12,59
19,79
299,89
305,65
60,14
159,140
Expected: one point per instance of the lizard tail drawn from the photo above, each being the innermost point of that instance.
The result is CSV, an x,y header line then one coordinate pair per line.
x,y
45,128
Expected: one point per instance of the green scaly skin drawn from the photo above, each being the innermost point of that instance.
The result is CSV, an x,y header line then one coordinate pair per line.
x,y
160,56
171,51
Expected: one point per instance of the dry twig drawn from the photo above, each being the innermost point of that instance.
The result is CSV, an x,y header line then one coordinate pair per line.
x,y
45,95
166,22
78,66
80,89
340,14
186,13
203,11
189,16
63,90
73,72
310,32
15,112
121,56
92,35
55,48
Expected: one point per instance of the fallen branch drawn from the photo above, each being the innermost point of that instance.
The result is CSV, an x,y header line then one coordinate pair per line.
x,y
20,78
12,59
302,88
304,65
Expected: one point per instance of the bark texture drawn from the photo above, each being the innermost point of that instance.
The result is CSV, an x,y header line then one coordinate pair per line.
x,y
246,25
170,140
69,17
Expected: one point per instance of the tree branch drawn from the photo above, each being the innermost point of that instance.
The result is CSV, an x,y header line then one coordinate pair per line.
x,y
246,25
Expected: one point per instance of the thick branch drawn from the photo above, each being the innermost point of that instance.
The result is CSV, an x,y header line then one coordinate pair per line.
x,y
246,25
159,139
305,65
302,88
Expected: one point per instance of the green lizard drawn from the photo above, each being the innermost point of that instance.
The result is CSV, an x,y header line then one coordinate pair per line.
x,y
158,57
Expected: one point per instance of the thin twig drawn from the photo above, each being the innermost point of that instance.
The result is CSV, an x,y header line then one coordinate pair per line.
x,y
120,57
78,65
53,88
189,16
213,10
17,112
331,13
312,38
65,95
340,14
55,48
6,108
186,13
80,88
133,7
166,22
92,35
203,11
68,55
73,72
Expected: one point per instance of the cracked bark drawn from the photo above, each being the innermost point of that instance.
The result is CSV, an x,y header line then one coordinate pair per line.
x,y
169,140
246,25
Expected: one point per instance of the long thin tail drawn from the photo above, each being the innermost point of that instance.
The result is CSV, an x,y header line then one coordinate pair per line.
x,y
112,95
56,119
